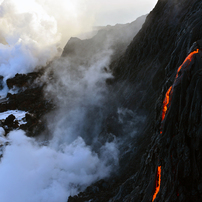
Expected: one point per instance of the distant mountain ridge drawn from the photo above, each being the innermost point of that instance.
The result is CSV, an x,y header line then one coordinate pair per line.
x,y
115,37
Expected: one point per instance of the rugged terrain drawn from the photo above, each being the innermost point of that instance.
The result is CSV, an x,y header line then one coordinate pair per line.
x,y
26,91
26,94
158,153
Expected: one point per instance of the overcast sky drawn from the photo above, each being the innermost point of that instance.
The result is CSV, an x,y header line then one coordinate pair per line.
x,y
121,11
105,11
69,17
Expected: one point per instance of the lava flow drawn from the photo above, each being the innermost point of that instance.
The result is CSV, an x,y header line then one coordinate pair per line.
x,y
166,104
187,61
158,183
167,98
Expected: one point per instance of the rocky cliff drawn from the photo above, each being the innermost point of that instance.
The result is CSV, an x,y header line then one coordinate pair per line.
x,y
152,107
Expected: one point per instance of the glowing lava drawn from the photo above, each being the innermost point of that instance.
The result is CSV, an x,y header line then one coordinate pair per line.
x,y
166,105
166,102
167,98
187,61
158,183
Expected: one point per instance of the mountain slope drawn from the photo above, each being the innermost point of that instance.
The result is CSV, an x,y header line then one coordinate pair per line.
x,y
116,38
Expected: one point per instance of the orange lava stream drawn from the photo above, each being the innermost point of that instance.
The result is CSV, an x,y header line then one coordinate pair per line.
x,y
158,183
187,61
166,102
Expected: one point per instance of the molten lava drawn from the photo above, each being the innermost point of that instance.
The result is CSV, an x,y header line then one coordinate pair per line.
x,y
166,105
167,98
158,183
166,102
187,61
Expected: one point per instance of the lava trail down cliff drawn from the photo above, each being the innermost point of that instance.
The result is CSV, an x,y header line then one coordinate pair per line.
x,y
186,65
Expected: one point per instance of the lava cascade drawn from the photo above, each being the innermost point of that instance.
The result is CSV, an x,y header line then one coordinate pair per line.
x,y
166,102
186,62
166,105
158,183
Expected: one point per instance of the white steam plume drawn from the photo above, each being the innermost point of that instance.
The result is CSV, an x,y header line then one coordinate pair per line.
x,y
80,93
31,36
31,173
69,163
33,31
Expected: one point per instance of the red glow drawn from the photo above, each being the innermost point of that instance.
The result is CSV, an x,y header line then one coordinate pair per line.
x,y
165,103
187,61
158,183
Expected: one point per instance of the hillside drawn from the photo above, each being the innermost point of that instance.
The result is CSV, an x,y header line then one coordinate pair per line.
x,y
116,118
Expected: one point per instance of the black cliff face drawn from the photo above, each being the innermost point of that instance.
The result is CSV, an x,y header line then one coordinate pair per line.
x,y
142,77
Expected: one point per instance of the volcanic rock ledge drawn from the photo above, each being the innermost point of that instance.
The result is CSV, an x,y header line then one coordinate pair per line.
x,y
28,97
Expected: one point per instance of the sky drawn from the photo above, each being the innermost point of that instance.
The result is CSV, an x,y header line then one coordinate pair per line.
x,y
74,17
36,29
121,11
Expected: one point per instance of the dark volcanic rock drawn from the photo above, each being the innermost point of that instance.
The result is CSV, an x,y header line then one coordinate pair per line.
x,y
1,82
22,80
29,98
10,123
9,120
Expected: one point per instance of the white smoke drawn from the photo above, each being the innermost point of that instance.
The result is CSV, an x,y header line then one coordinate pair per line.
x,y
68,164
33,30
31,36
80,92
31,173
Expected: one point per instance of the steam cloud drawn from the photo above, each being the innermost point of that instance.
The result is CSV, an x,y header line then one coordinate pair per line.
x,y
31,37
30,34
68,164
31,173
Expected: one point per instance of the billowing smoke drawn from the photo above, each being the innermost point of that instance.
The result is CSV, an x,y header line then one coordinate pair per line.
x,y
31,36
80,94
73,158
31,33
68,163
31,173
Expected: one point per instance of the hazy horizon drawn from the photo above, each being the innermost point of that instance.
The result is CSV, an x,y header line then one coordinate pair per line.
x,y
68,19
